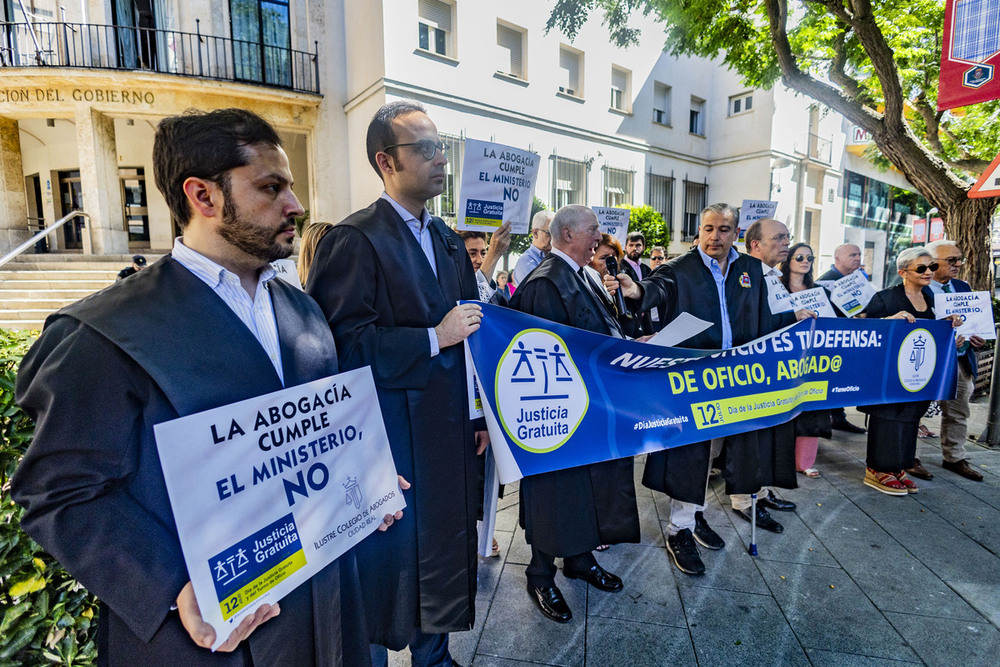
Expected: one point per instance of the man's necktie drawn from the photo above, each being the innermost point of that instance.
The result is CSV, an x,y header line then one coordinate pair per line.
x,y
946,288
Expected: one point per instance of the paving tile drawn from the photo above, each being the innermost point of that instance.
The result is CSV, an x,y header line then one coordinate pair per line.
x,y
650,594
519,552
949,642
729,569
618,642
821,658
516,629
829,611
731,628
797,544
490,661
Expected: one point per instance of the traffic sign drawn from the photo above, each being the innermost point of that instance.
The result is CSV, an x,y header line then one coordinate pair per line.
x,y
988,184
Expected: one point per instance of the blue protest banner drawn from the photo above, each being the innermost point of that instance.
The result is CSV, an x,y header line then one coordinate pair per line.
x,y
556,397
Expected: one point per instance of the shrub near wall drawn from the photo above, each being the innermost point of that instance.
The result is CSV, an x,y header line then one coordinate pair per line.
x,y
46,617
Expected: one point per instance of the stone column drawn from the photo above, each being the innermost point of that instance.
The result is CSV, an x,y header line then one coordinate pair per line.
x,y
102,195
13,202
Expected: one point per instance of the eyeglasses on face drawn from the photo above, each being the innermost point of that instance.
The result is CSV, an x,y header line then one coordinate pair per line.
x,y
955,261
921,268
427,147
782,237
656,258
804,258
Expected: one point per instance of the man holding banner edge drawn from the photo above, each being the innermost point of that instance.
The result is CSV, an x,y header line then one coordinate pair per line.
x,y
569,513
91,481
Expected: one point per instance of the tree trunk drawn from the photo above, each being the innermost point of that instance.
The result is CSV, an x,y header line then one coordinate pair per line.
x,y
967,222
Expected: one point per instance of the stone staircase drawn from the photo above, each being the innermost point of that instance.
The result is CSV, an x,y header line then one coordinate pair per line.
x,y
32,287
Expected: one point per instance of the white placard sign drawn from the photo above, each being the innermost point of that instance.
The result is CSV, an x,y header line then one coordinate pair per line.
x,y
287,271
752,210
268,491
814,299
778,298
498,184
852,293
613,221
974,308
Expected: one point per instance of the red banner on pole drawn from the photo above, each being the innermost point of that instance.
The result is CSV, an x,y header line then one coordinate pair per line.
x,y
970,57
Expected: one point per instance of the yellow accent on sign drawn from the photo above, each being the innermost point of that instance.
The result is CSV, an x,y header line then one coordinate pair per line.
x,y
492,223
262,584
744,408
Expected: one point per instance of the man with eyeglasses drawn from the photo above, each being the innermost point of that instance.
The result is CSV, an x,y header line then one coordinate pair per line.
x,y
955,412
541,243
387,278
717,284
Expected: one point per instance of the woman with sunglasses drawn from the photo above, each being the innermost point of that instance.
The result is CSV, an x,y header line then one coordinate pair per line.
x,y
892,427
811,425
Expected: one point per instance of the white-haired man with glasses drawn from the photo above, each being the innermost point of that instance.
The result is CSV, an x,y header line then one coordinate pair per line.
x,y
955,412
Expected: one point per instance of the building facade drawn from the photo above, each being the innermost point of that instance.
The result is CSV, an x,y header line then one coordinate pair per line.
x,y
83,87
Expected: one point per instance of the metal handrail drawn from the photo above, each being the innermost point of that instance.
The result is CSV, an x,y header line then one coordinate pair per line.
x,y
42,234
96,46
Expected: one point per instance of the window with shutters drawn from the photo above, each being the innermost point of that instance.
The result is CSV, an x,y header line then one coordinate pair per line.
x,y
740,104
571,64
618,187
621,89
695,200
660,196
569,183
511,42
696,121
434,27
661,103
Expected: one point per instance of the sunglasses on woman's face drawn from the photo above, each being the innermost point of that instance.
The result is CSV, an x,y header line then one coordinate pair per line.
x,y
804,258
924,267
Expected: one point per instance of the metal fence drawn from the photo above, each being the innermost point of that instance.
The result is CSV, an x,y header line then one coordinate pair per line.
x,y
90,46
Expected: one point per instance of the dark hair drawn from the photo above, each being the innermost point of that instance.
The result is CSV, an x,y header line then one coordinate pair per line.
x,y
635,236
204,144
786,274
380,132
468,234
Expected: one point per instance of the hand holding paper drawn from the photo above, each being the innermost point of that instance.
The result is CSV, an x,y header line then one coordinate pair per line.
x,y
203,634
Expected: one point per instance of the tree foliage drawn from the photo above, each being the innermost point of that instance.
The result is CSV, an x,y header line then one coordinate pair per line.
x,y
874,61
46,617
648,220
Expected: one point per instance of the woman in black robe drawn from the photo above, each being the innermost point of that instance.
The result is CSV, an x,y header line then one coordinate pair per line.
x,y
892,427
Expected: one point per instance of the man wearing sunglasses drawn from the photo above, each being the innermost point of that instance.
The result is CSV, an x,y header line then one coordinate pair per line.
x,y
387,278
955,412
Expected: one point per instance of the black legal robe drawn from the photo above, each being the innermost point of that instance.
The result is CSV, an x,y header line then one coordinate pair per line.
x,y
573,511
105,370
379,295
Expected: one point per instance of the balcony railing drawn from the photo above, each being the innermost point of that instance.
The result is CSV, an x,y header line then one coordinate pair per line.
x,y
820,149
193,54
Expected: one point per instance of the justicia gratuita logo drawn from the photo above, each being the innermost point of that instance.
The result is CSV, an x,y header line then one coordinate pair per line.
x,y
541,396
917,359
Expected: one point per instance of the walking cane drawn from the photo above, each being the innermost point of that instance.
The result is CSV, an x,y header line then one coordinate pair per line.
x,y
753,524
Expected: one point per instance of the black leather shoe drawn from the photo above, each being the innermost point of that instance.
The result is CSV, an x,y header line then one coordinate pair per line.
x,y
684,552
764,519
597,577
844,425
772,502
550,601
704,535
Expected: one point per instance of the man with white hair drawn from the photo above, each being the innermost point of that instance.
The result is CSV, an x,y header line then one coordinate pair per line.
x,y
954,412
541,243
569,513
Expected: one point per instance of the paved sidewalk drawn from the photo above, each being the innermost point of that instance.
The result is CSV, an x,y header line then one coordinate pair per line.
x,y
857,578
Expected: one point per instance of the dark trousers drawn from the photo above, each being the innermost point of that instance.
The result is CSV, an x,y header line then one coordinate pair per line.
x,y
425,651
892,445
541,571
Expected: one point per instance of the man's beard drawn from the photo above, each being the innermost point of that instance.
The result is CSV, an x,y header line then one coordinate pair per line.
x,y
253,240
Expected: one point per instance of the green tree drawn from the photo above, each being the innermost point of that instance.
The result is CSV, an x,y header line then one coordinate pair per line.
x,y
648,220
877,63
